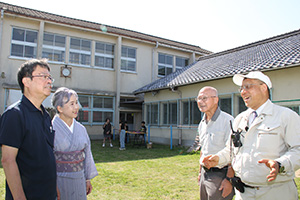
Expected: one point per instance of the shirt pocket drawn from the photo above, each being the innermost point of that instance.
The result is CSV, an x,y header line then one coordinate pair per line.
x,y
268,138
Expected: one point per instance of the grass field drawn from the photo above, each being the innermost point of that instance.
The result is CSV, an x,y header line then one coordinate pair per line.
x,y
140,173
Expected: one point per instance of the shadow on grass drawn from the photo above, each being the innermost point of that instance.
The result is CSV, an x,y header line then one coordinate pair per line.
x,y
108,154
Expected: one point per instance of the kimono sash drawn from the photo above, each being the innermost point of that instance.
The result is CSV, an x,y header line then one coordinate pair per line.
x,y
69,161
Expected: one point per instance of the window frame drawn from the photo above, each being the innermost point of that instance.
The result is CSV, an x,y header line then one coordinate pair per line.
x,y
80,52
164,65
54,48
126,59
24,43
104,55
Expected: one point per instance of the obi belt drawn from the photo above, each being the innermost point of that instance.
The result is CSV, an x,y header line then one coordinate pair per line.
x,y
71,161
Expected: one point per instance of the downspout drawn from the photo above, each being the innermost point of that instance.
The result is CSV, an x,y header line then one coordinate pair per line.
x,y
179,111
1,31
153,62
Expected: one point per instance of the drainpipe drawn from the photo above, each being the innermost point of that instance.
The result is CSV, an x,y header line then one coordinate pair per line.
x,y
153,62
179,111
1,31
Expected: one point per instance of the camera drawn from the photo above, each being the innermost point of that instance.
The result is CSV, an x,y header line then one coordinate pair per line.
x,y
236,137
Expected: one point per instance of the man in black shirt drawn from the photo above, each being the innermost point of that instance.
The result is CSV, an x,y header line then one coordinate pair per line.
x,y
26,137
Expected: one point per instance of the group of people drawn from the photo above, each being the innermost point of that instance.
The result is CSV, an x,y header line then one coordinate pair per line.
x,y
123,128
43,159
253,156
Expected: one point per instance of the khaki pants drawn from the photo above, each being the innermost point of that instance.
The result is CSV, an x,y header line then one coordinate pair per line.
x,y
281,191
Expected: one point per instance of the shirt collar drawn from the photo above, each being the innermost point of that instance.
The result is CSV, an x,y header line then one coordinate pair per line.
x,y
260,109
30,106
215,116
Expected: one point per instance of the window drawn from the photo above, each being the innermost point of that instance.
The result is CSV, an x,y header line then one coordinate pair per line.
x,y
128,59
191,113
54,47
242,106
80,51
165,64
104,55
225,105
169,113
24,43
181,63
95,109
152,113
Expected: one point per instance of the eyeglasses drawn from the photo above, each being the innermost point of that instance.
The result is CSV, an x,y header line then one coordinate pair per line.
x,y
247,87
204,99
46,77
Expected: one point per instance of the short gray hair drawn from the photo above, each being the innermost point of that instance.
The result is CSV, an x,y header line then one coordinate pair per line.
x,y
62,96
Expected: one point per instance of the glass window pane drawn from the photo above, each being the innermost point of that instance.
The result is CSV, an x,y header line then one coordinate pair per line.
x,y
47,53
169,60
161,58
75,44
131,66
48,39
225,105
29,52
60,41
31,36
98,116
131,53
124,52
109,62
85,59
195,113
123,64
84,101
154,113
161,70
165,113
86,45
169,70
83,116
99,61
148,114
173,109
18,34
17,50
100,47
74,58
179,62
108,115
108,103
110,49
185,112
242,106
98,102
59,56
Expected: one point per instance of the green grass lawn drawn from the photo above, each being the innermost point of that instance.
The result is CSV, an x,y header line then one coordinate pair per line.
x,y
140,173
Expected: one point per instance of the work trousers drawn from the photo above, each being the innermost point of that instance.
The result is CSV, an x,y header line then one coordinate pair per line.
x,y
210,183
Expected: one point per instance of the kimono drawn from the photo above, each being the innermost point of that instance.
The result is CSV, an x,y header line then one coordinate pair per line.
x,y
74,160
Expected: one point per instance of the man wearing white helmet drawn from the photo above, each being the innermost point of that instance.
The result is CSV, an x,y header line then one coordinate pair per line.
x,y
265,147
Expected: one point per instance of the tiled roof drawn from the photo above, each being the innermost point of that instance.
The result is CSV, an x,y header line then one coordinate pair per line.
x,y
27,12
269,54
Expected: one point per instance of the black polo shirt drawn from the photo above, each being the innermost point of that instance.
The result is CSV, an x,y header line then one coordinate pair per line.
x,y
25,127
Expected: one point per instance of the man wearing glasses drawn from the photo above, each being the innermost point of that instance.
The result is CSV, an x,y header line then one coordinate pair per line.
x,y
26,137
214,131
268,153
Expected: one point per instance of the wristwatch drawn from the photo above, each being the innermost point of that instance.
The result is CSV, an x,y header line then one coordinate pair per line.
x,y
280,168
229,179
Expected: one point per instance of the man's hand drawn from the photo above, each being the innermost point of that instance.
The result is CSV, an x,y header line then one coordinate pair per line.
x,y
210,161
274,168
226,187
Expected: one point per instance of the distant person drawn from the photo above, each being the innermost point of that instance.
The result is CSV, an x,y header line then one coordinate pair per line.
x,y
26,137
143,127
72,148
107,132
122,132
265,148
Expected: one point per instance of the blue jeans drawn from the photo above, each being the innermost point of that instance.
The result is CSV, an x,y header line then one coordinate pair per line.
x,y
122,138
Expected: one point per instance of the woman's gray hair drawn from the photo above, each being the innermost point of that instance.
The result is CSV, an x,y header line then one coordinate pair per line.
x,y
62,96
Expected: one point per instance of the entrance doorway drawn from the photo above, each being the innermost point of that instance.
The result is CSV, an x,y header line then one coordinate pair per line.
x,y
129,117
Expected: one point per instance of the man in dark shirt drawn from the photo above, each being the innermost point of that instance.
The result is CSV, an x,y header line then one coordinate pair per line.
x,y
26,137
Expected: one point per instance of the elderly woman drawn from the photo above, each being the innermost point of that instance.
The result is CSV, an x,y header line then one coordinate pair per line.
x,y
72,148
